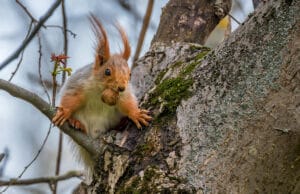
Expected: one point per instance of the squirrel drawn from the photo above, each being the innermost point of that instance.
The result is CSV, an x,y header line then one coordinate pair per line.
x,y
97,96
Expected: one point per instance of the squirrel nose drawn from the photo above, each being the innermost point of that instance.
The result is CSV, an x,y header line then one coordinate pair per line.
x,y
121,88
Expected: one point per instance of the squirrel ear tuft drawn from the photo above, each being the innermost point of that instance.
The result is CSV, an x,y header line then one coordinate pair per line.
x,y
126,52
102,48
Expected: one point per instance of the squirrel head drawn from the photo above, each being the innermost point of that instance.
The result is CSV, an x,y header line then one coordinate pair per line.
x,y
111,71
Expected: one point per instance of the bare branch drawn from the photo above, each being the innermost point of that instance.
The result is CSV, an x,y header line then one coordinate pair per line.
x,y
143,31
26,11
60,139
41,22
33,20
3,160
237,21
65,26
17,67
38,153
62,28
49,180
21,58
40,68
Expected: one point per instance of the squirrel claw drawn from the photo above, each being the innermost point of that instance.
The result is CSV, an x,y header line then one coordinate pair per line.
x,y
61,116
141,117
77,125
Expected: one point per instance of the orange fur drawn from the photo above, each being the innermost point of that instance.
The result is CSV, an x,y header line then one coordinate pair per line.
x,y
102,50
120,73
128,105
68,105
127,50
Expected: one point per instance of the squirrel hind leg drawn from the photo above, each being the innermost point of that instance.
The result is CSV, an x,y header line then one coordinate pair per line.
x,y
74,123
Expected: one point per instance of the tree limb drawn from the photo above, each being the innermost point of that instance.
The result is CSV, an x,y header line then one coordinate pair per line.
x,y
41,22
143,31
40,180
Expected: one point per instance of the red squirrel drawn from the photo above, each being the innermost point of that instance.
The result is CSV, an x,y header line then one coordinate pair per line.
x,y
97,96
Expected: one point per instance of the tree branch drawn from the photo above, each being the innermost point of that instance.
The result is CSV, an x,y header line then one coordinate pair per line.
x,y
26,11
94,147
40,67
41,22
60,139
40,180
143,31
21,58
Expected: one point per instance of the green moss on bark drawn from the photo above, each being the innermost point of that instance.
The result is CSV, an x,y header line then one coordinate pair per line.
x,y
170,92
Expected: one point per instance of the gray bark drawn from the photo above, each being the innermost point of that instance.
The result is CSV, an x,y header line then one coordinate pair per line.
x,y
227,122
190,20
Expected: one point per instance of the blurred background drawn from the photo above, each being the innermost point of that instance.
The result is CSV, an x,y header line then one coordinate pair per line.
x,y
23,128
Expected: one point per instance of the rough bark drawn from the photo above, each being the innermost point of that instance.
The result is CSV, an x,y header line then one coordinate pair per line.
x,y
190,20
227,122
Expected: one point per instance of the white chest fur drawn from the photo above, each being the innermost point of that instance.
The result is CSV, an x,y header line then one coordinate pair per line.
x,y
97,116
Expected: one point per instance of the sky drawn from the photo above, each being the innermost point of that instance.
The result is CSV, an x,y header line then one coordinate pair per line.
x,y
23,128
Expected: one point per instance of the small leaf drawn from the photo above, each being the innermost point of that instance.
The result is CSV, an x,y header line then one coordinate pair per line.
x,y
68,70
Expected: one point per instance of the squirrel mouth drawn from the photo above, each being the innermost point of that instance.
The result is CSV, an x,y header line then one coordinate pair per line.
x,y
110,96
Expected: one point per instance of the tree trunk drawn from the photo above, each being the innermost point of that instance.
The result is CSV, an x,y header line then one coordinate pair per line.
x,y
225,121
190,20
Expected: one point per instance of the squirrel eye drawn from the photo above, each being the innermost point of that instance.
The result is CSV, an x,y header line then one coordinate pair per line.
x,y
107,72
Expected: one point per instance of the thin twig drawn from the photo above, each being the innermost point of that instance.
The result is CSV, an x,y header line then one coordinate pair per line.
x,y
40,68
41,22
54,83
38,153
65,27
4,160
17,67
21,58
62,28
237,21
26,11
2,155
143,31
60,140
33,20
49,180
34,158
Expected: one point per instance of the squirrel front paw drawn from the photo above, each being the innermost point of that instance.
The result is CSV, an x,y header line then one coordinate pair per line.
x,y
62,114
141,117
